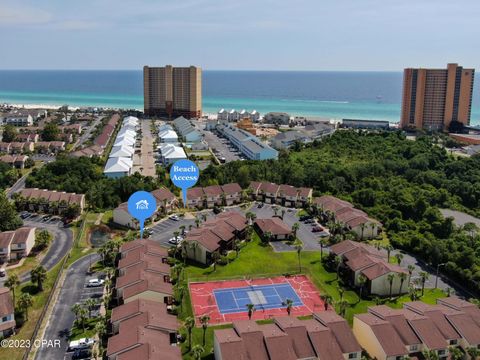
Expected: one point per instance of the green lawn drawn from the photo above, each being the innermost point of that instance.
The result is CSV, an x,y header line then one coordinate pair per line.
x,y
258,260
26,328
78,332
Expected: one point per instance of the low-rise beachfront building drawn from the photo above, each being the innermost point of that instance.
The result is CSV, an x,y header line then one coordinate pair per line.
x,y
362,259
117,167
216,235
54,202
168,136
16,161
248,144
170,153
7,314
186,130
365,124
18,118
285,140
224,116
345,214
276,118
272,229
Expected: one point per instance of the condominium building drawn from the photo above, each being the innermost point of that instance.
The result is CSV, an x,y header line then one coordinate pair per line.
x,y
433,98
173,91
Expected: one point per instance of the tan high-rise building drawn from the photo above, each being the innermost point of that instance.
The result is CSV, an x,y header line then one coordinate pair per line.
x,y
172,91
433,98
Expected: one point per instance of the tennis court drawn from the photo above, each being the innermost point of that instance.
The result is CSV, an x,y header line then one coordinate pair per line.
x,y
262,296
225,301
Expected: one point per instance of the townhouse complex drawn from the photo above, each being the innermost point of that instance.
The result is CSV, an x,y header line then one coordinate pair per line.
x,y
285,195
17,244
49,201
142,325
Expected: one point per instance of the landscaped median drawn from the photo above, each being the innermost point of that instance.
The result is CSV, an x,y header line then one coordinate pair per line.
x,y
257,259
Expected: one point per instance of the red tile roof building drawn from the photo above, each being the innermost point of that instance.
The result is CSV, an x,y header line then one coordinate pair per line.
x,y
51,200
275,227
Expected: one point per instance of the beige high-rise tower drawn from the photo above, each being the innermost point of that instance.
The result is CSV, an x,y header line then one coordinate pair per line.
x,y
172,91
433,98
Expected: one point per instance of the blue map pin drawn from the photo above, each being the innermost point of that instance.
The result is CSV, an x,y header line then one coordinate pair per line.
x,y
184,174
142,205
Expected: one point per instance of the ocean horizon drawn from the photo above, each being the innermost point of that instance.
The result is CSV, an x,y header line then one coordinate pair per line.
x,y
329,94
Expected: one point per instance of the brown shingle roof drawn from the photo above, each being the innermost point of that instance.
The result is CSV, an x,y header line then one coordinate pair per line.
x,y
146,246
426,330
232,346
195,193
6,239
398,321
267,187
213,190
162,194
136,307
287,190
6,302
255,186
323,341
22,234
274,226
340,329
231,189
386,335
151,320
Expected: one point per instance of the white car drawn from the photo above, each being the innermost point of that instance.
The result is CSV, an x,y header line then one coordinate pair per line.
x,y
3,272
84,343
174,217
95,283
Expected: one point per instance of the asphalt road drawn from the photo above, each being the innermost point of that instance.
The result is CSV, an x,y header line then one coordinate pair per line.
x,y
86,135
61,320
19,185
61,244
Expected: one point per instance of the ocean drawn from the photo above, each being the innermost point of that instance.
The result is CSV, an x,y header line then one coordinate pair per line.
x,y
335,95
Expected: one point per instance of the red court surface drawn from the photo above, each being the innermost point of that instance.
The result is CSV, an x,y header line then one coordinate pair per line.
x,y
204,300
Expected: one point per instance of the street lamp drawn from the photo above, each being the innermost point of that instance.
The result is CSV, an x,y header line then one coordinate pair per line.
x,y
436,277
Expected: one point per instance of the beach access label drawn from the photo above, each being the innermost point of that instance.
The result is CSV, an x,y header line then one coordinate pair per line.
x,y
184,174
142,205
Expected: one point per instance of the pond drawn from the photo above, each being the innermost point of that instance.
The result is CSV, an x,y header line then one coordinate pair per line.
x,y
99,236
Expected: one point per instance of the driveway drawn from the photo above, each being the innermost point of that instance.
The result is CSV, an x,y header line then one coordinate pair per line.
x,y
144,162
61,320
61,244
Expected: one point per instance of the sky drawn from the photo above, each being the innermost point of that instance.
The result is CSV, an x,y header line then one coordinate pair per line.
x,y
337,35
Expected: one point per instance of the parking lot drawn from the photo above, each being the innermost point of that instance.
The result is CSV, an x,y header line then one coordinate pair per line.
x,y
221,147
304,233
163,231
41,219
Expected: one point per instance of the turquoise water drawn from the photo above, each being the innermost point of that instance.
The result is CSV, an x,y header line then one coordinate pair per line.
x,y
365,95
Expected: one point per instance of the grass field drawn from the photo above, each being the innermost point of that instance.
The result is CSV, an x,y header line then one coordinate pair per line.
x,y
258,260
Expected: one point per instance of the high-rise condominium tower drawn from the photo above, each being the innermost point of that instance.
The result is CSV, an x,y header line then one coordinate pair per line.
x,y
172,91
433,98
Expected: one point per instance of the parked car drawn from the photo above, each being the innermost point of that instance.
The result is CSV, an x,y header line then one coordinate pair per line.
x,y
309,221
317,228
81,354
83,343
174,217
260,205
3,272
95,283
148,231
305,217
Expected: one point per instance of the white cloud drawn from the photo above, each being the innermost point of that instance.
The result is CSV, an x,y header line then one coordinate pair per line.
x,y
10,15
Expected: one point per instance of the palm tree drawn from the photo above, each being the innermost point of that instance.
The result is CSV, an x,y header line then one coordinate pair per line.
x,y
189,324
390,278
204,321
197,352
455,353
338,261
288,305
424,277
323,242
24,302
215,259
399,257
82,317
298,247
180,291
473,352
11,283
267,236
251,309
90,304
182,229
175,234
38,275
362,280
327,301
402,276
76,311
194,247
101,329
295,228
411,269
389,249
430,354
342,305
197,222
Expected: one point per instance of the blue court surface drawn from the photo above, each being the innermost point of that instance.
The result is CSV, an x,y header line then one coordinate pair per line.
x,y
234,300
